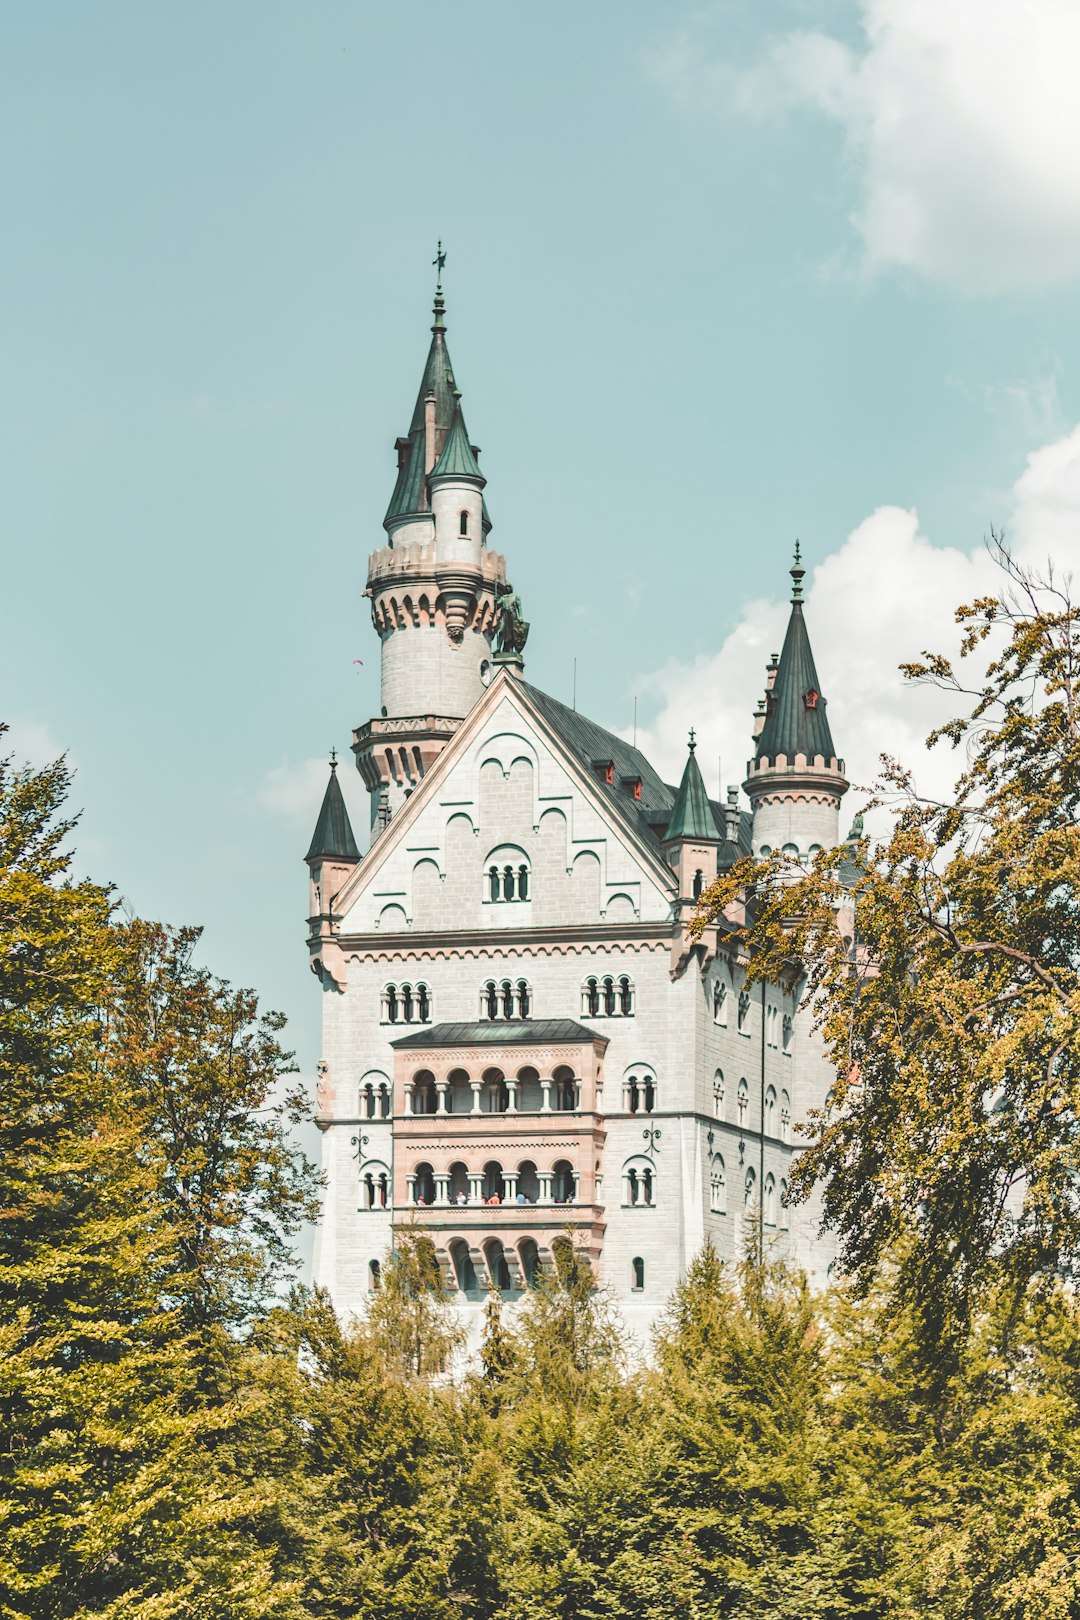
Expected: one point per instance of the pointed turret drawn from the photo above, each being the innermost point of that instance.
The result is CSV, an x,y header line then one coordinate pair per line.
x,y
434,588
692,837
333,839
795,781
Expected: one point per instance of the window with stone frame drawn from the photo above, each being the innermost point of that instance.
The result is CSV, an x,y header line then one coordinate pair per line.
x,y
406,1003
744,1012
720,1003
507,876
506,1000
609,995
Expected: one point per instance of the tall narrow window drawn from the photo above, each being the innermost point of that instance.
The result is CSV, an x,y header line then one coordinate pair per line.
x,y
491,999
648,1095
744,1010
392,1005
507,999
698,884
463,523
592,998
632,1096
523,882
626,997
493,879
638,1270
744,1103
719,1003
406,1003
374,1275
609,997
523,999
508,882
423,1004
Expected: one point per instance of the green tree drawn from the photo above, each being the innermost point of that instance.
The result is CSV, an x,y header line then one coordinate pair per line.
x,y
410,1320
569,1336
950,1137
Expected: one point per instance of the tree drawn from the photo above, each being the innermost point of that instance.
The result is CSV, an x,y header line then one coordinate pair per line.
x,y
410,1321
568,1334
202,1071
948,994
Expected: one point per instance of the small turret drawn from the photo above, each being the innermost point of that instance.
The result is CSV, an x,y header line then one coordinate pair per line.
x,y
692,837
333,852
795,781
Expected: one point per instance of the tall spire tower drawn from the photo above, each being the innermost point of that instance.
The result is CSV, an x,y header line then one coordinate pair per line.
x,y
795,781
434,587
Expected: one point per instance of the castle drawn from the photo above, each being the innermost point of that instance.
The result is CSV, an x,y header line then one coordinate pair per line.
x,y
520,1036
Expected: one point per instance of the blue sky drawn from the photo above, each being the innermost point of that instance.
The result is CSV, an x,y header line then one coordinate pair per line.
x,y
719,275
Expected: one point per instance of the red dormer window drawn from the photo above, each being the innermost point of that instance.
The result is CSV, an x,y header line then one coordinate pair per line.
x,y
811,699
609,773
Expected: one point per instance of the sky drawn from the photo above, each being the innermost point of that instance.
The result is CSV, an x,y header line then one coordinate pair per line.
x,y
719,275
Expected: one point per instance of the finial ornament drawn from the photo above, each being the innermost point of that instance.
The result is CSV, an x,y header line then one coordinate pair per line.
x,y
797,574
333,759
693,741
438,261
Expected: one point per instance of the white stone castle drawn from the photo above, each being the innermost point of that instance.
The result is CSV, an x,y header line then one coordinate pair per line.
x,y
520,1037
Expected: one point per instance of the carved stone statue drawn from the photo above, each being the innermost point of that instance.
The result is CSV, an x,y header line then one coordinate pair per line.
x,y
511,627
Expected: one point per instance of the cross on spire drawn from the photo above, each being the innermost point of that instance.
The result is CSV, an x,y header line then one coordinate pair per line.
x,y
333,759
438,261
693,743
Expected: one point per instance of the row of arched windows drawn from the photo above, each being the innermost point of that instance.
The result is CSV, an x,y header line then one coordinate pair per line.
x,y
718,1193
406,1004
779,1029
608,997
506,998
777,1121
508,882
460,1185
494,1092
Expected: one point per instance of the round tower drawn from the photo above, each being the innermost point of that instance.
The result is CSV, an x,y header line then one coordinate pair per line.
x,y
795,781
434,589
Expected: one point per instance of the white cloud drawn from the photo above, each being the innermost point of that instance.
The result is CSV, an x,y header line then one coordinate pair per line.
x,y
883,597
962,120
294,793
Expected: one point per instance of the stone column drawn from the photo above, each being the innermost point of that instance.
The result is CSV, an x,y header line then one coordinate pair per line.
x,y
442,1187
545,1096
544,1178
476,1085
577,1096
509,1186
511,1090
575,1192
410,1188
476,1187
441,1087
408,1096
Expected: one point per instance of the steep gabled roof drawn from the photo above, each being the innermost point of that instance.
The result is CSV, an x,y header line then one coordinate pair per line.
x,y
796,721
692,814
333,839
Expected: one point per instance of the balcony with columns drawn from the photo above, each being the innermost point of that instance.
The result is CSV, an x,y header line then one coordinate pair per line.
x,y
498,1132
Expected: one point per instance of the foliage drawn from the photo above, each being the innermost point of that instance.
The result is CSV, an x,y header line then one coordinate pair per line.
x,y
948,994
410,1323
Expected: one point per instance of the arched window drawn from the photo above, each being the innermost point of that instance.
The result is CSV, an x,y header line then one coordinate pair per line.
x,y
508,875
744,1010
784,1205
639,1183
494,1186
406,1004
498,1093
743,1103
748,1189
506,999
423,1184
718,1093
463,523
639,1092
637,1274
374,1275
563,1189
564,1099
770,1112
717,1187
528,1183
770,1200
425,1096
788,1031
609,997
699,884
719,1003
785,1117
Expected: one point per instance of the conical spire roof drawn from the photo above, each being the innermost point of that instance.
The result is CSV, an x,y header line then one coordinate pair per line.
x,y
458,459
410,495
333,840
796,719
691,814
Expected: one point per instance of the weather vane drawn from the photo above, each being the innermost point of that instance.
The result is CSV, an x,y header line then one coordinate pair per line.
x,y
438,261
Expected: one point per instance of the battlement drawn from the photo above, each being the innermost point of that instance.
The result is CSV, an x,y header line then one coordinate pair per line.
x,y
401,564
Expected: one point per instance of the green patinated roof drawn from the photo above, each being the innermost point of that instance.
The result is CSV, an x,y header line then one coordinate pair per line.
x,y
498,1032
691,814
333,839
458,459
792,726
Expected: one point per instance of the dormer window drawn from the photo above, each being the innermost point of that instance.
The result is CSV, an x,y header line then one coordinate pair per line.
x,y
811,699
